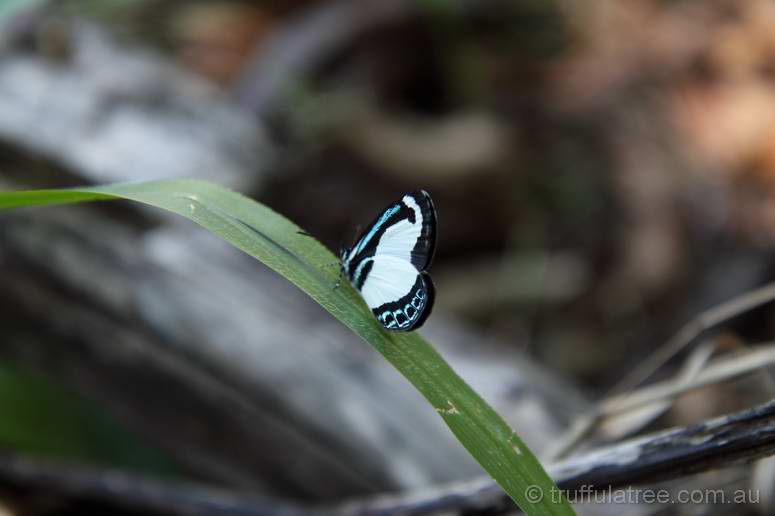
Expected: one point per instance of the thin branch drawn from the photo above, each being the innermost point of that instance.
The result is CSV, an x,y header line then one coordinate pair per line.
x,y
586,423
717,371
690,332
707,320
723,441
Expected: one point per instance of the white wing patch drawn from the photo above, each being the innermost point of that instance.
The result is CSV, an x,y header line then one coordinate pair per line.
x,y
399,239
392,275
409,201
390,279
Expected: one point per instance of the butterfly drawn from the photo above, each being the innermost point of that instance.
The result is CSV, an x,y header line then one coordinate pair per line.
x,y
388,263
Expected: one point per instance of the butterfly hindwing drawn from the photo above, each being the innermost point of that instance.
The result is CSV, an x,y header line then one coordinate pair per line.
x,y
405,312
387,264
410,311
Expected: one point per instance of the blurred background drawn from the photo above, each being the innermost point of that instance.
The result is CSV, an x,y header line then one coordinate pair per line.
x,y
603,172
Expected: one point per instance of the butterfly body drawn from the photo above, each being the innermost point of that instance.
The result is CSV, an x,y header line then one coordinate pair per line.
x,y
388,262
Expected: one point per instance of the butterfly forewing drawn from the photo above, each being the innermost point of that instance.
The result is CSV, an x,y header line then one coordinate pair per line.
x,y
387,264
425,248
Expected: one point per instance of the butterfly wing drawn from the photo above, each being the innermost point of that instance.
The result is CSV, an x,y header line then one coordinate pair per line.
x,y
406,229
399,296
387,263
413,236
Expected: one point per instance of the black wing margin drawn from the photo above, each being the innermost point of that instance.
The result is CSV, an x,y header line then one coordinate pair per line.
x,y
425,248
411,311
430,293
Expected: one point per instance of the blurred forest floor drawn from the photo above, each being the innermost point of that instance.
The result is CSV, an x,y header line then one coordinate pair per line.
x,y
603,171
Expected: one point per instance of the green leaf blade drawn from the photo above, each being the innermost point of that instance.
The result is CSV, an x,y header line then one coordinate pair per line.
x,y
283,246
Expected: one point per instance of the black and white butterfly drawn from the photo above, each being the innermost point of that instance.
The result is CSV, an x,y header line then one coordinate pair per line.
x,y
388,262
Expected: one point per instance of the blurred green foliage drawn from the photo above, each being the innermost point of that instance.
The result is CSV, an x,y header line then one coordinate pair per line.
x,y
44,419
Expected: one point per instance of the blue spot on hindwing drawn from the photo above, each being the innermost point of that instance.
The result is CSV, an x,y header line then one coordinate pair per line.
x,y
404,316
